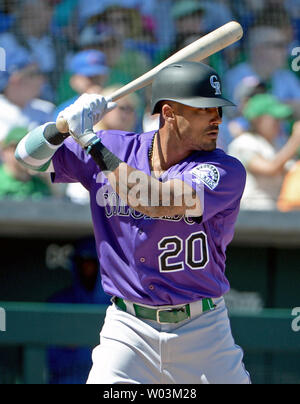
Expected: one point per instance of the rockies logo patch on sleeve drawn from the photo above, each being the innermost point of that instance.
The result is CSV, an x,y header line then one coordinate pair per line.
x,y
206,173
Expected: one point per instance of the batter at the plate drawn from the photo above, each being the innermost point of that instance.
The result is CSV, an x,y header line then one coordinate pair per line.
x,y
164,205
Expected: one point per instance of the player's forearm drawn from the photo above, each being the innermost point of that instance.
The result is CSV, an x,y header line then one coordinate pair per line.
x,y
143,192
275,166
288,152
37,148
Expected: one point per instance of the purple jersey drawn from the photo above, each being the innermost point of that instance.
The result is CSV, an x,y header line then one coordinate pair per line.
x,y
165,261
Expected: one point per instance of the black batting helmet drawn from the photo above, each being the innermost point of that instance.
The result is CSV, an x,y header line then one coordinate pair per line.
x,y
190,83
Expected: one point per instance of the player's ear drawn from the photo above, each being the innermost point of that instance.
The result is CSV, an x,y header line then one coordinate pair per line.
x,y
167,112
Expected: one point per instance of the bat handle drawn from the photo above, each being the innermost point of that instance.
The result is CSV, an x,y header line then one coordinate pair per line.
x,y
62,125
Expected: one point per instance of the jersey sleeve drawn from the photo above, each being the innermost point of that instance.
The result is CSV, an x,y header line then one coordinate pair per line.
x,y
219,185
72,164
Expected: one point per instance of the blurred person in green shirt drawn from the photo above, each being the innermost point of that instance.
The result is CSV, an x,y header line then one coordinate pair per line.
x,y
16,182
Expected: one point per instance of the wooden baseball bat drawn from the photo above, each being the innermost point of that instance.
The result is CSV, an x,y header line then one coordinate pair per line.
x,y
196,51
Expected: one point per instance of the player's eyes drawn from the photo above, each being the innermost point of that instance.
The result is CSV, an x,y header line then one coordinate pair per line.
x,y
208,109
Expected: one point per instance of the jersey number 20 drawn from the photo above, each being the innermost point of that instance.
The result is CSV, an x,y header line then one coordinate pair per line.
x,y
173,246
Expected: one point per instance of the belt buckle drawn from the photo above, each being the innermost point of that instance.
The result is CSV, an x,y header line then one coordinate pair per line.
x,y
183,308
157,315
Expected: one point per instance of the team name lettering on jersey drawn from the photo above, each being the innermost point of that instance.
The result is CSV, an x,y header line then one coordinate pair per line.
x,y
114,206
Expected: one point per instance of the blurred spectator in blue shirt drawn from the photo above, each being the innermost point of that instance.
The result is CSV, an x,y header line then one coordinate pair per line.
x,y
71,365
31,31
125,64
134,46
88,73
20,85
154,16
268,62
94,7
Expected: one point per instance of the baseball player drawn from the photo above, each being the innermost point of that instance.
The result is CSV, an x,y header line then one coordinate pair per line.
x,y
164,205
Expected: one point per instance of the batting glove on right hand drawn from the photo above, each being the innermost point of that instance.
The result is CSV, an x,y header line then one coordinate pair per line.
x,y
81,116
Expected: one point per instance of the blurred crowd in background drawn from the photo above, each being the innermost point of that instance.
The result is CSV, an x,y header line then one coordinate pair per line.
x,y
55,50
52,51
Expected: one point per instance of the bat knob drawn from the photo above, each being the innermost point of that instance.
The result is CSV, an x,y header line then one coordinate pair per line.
x,y
62,125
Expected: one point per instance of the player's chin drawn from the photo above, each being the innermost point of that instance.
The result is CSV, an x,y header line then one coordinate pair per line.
x,y
210,146
209,140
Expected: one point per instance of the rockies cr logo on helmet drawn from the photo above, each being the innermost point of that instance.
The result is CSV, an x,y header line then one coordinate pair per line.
x,y
193,84
215,83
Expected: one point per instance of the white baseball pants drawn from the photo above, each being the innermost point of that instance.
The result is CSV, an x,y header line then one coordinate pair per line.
x,y
135,351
